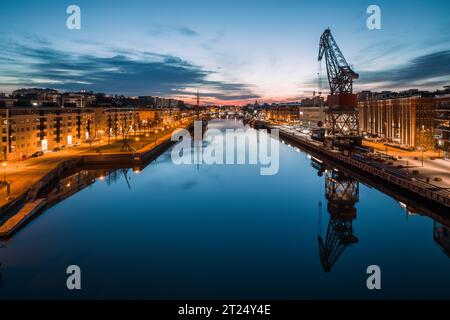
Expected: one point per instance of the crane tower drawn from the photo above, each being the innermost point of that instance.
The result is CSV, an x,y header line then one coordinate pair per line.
x,y
342,121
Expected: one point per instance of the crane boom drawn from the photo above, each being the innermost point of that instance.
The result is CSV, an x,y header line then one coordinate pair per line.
x,y
340,74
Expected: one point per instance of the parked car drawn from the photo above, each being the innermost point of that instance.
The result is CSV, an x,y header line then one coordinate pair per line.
x,y
37,154
56,149
23,157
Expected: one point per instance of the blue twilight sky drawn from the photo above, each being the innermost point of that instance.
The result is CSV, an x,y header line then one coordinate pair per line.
x,y
232,51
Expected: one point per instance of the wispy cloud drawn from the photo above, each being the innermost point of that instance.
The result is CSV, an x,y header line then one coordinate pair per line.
x,y
36,39
164,30
372,54
187,31
426,71
129,72
420,71
222,95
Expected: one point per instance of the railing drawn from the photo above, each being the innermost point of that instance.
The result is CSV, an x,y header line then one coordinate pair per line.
x,y
420,187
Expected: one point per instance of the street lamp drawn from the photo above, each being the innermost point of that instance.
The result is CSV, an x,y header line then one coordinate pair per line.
x,y
300,114
421,141
4,171
422,154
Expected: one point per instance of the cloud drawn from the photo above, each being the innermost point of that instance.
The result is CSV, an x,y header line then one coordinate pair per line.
x,y
225,96
187,32
167,30
420,71
36,39
380,50
128,72
426,71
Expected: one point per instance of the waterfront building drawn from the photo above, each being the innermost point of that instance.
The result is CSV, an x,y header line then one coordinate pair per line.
x,y
113,123
443,124
25,130
35,119
406,118
306,116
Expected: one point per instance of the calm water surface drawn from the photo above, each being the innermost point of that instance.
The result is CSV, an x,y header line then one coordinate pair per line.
x,y
184,232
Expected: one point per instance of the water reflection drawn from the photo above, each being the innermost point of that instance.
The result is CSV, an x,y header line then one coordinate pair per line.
x,y
342,194
1,277
226,232
66,186
442,237
76,182
3,245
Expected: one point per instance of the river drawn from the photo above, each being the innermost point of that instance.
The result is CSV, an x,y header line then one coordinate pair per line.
x,y
227,232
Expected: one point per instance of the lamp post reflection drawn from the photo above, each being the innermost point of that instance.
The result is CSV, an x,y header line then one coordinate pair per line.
x,y
441,235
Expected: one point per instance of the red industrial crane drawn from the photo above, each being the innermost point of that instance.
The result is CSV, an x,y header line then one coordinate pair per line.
x,y
342,123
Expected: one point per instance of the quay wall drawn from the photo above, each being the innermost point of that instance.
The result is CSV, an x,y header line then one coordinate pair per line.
x,y
128,159
419,188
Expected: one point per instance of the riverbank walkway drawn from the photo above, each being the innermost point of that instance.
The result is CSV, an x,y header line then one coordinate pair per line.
x,y
431,181
16,177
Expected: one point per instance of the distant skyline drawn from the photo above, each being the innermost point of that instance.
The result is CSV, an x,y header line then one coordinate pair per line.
x,y
233,52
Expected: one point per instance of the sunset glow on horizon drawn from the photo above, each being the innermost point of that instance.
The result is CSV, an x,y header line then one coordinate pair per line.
x,y
232,52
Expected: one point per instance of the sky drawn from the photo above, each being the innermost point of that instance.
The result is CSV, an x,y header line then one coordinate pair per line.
x,y
233,52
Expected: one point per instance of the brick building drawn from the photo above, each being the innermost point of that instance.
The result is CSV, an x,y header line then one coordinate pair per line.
x,y
406,119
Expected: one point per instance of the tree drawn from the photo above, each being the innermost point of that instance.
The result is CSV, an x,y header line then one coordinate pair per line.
x,y
126,127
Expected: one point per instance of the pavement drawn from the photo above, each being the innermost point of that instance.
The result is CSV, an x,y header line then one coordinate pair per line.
x,y
397,152
20,175
412,161
407,163
430,170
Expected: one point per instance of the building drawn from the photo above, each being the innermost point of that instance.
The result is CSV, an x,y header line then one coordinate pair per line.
x,y
37,95
305,116
443,124
80,99
406,119
51,97
110,124
35,119
25,130
315,101
7,102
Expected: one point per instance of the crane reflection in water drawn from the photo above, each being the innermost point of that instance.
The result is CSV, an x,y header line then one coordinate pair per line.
x,y
342,194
